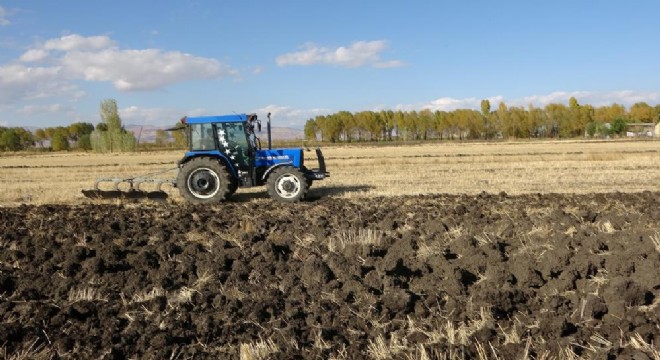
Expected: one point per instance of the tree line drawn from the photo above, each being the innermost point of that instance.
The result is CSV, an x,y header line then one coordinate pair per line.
x,y
74,136
109,135
551,121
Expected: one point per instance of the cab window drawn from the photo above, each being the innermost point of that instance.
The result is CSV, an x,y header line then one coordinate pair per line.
x,y
236,134
201,137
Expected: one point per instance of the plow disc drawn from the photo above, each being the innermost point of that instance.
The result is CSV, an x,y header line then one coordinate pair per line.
x,y
143,187
118,194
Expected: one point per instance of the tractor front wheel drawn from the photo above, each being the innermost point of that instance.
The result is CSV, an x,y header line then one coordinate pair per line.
x,y
287,184
203,180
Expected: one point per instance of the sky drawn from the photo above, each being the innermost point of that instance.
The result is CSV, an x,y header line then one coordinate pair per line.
x,y
162,60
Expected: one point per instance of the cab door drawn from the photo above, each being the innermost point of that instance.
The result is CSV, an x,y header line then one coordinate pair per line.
x,y
233,142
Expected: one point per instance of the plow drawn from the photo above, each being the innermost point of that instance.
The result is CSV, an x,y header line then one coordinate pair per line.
x,y
223,154
131,187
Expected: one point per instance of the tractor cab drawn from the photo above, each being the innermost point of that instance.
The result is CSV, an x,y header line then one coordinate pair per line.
x,y
229,138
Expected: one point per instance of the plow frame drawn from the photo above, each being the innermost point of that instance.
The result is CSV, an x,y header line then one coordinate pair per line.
x,y
134,183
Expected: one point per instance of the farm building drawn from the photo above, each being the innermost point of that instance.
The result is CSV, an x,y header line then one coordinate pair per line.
x,y
643,129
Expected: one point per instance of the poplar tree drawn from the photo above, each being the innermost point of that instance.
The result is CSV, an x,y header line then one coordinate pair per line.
x,y
110,135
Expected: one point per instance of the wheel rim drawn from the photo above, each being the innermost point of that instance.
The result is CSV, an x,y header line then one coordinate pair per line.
x,y
203,183
287,186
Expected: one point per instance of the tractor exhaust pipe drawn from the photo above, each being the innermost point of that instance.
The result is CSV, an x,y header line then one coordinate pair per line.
x,y
268,128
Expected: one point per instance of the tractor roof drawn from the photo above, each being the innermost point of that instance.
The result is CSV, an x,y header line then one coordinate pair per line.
x,y
216,119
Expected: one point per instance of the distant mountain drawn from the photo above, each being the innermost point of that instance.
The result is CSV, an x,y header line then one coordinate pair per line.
x,y
147,133
144,133
282,133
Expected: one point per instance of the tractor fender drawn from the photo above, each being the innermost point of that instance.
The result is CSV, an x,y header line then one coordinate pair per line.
x,y
273,167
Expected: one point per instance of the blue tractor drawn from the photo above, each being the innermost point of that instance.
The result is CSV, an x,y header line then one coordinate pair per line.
x,y
224,154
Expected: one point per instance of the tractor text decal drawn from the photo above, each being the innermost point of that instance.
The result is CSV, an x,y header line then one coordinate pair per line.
x,y
278,157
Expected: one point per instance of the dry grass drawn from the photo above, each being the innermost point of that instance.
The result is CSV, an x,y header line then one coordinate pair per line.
x,y
60,177
203,239
33,350
86,294
379,349
357,171
655,238
637,342
260,349
531,167
361,237
232,292
146,296
182,296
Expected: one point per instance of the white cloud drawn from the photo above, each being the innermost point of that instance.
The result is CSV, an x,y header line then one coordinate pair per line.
x,y
595,98
150,116
64,60
34,55
360,53
19,82
32,110
450,104
285,116
552,98
77,42
4,123
3,17
149,69
157,116
625,97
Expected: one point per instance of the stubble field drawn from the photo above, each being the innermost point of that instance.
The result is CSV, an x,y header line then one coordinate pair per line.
x,y
447,251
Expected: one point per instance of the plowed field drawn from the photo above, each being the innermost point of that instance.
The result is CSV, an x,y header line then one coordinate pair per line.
x,y
418,277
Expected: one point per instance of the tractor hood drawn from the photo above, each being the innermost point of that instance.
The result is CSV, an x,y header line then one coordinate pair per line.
x,y
270,157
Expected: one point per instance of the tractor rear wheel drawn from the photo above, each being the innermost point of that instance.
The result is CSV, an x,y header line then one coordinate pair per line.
x,y
204,180
287,184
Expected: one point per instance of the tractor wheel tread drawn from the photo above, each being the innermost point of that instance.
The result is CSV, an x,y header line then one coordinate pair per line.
x,y
215,168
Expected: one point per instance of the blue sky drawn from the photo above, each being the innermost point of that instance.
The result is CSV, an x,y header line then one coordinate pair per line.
x,y
165,59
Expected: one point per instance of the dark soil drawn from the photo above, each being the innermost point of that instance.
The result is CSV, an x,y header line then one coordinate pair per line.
x,y
437,276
